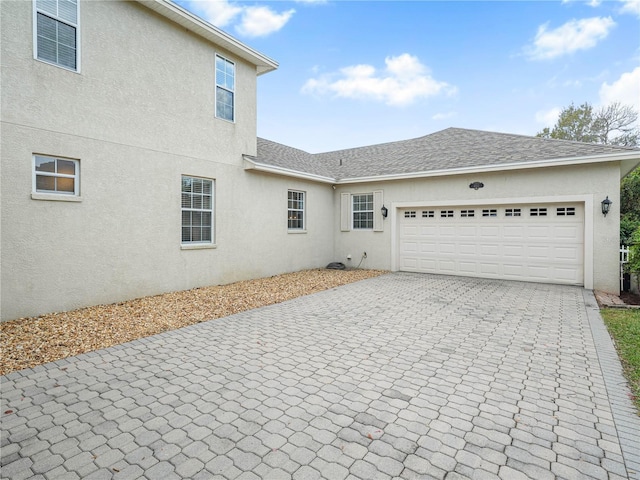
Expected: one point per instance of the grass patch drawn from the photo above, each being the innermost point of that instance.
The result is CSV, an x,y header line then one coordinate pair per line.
x,y
624,328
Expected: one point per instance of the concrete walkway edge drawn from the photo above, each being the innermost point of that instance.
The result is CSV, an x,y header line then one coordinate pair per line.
x,y
624,412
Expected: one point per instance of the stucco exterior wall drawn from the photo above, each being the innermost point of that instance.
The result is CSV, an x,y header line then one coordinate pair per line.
x,y
138,116
592,182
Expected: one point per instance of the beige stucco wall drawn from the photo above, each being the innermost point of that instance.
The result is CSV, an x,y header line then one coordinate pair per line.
x,y
590,182
136,121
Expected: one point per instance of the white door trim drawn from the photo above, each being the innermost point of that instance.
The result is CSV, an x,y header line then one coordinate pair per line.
x,y
587,200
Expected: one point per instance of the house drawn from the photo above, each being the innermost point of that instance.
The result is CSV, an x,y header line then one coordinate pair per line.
x,y
131,166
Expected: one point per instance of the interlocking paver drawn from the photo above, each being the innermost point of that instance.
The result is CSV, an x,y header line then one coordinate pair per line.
x,y
394,377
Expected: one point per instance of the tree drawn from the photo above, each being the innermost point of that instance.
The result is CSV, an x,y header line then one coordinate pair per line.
x,y
630,208
614,124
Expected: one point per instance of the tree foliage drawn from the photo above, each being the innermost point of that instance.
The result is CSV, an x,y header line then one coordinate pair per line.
x,y
630,208
614,124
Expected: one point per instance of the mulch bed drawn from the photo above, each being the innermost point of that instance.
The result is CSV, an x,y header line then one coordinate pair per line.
x,y
630,298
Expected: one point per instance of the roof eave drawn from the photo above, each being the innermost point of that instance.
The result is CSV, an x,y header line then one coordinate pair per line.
x,y
195,24
628,161
251,164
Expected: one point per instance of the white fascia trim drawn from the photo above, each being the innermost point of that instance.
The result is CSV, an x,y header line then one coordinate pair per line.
x,y
261,167
587,200
556,162
192,22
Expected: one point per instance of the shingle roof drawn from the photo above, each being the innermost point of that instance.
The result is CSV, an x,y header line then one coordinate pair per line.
x,y
449,149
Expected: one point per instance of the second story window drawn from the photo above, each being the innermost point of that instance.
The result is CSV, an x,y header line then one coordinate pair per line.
x,y
56,32
225,88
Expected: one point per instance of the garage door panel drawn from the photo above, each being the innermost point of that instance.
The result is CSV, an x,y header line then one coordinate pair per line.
x,y
468,249
513,251
447,266
489,268
539,231
538,252
489,250
545,248
467,231
513,231
490,232
466,268
566,253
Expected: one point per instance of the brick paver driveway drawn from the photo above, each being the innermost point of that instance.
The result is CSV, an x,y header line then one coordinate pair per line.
x,y
402,376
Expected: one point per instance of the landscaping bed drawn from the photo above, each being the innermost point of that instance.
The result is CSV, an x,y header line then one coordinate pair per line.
x,y
28,342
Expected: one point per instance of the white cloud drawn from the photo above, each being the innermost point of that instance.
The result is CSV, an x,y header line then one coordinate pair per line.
x,y
402,82
254,21
591,3
572,36
218,13
261,21
548,118
631,6
625,90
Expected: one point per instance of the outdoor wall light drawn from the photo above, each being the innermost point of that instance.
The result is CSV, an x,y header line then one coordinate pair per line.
x,y
384,211
476,185
606,205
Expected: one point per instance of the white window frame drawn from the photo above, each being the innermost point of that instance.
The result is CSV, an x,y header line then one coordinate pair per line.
x,y
191,208
354,211
76,26
222,86
296,206
41,194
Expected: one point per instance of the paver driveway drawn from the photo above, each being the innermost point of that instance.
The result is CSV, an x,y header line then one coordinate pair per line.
x,y
401,376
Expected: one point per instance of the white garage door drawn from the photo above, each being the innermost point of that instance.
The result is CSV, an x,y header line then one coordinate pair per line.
x,y
539,243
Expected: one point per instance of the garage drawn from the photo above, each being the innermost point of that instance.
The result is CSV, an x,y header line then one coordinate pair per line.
x,y
527,242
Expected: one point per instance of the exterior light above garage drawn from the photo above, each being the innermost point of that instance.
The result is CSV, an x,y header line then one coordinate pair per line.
x,y
476,185
606,205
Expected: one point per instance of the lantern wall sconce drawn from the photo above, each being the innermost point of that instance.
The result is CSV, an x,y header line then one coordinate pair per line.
x,y
384,211
476,185
606,205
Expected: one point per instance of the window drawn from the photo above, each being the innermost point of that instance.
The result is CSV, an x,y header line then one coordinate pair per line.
x,y
56,175
538,212
565,211
197,210
295,211
56,32
225,88
467,213
428,213
410,214
513,212
446,213
490,212
363,211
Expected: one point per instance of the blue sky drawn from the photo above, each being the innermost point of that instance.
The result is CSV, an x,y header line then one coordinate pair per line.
x,y
356,73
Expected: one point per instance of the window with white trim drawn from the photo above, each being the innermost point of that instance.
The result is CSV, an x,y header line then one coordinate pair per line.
x,y
197,210
225,88
489,212
56,32
427,213
363,211
410,214
56,175
295,210
446,213
467,213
